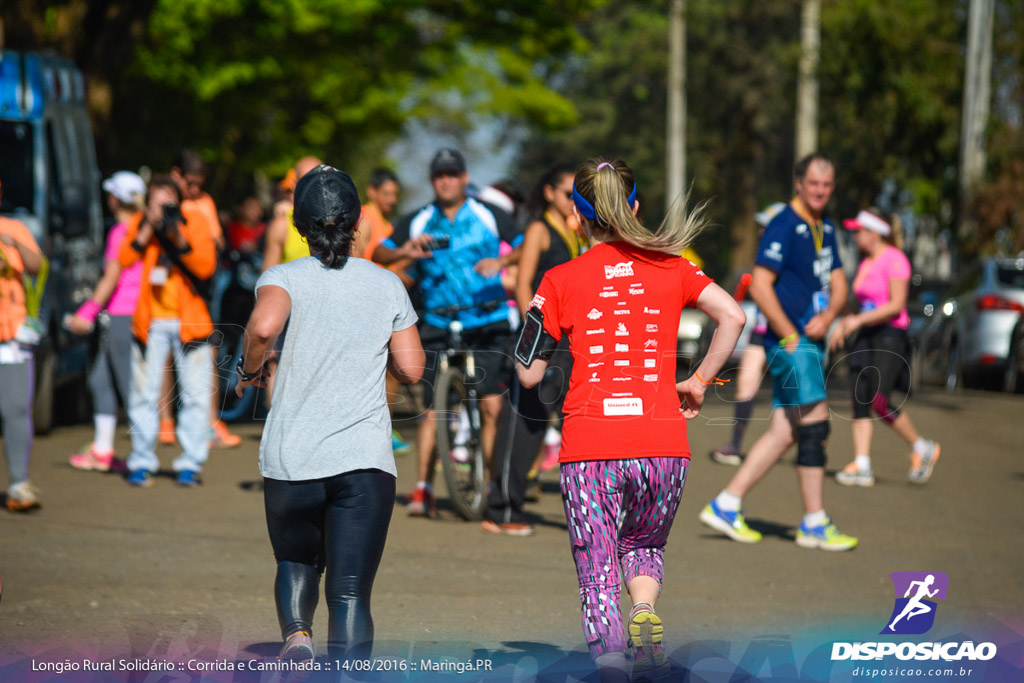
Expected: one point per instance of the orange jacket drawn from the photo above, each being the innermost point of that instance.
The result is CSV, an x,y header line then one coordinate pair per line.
x,y
201,261
12,288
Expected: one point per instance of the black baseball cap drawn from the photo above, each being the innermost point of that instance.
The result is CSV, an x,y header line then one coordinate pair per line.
x,y
326,196
447,161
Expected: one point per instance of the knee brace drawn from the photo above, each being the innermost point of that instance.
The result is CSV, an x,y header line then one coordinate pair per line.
x,y
810,448
884,410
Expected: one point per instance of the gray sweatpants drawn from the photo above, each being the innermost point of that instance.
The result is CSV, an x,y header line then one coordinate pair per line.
x,y
112,371
17,389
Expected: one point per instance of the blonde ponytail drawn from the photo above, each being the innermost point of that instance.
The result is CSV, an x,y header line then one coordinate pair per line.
x,y
896,238
606,185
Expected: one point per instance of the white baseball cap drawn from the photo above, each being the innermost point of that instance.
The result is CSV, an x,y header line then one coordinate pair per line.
x,y
126,186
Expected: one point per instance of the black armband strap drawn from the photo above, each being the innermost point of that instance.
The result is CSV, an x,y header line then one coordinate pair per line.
x,y
534,342
546,347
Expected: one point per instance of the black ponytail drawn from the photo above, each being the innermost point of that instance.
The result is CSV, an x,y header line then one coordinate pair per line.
x,y
327,214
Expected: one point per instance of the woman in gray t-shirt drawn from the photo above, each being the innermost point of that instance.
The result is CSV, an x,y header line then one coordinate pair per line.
x,y
329,472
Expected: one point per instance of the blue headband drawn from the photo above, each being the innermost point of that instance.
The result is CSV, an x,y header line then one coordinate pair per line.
x,y
587,210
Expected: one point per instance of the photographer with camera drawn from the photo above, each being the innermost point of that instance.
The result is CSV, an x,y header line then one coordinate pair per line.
x,y
178,258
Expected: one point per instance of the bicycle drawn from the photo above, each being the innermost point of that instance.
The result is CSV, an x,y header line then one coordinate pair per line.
x,y
459,442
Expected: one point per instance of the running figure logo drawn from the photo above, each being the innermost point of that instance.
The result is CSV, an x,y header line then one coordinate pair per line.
x,y
914,613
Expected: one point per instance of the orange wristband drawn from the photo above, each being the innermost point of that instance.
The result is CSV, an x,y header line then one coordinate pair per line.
x,y
715,381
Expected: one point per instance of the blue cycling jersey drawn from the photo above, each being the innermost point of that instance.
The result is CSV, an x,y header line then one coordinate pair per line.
x,y
448,278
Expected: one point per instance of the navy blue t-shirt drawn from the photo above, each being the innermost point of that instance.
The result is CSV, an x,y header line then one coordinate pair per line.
x,y
787,247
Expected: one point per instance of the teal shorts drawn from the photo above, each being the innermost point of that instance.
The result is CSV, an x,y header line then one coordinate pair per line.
x,y
798,377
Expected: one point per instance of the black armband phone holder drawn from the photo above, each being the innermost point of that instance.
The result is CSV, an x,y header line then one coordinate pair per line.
x,y
534,341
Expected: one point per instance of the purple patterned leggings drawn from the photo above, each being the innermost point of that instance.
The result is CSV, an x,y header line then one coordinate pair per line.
x,y
619,514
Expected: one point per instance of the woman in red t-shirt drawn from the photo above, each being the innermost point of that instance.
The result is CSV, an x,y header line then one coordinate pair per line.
x,y
624,446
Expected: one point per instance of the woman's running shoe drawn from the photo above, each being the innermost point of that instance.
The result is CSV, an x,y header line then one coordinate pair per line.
x,y
89,459
551,453
729,523
298,647
825,537
22,497
727,455
851,475
645,635
399,446
922,464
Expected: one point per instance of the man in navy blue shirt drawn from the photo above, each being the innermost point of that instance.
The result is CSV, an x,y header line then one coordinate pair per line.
x,y
799,285
461,270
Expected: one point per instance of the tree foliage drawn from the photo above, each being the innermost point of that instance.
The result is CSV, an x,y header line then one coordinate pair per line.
x,y
890,76
257,83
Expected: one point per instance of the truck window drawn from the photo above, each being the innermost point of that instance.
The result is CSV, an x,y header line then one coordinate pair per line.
x,y
55,163
16,164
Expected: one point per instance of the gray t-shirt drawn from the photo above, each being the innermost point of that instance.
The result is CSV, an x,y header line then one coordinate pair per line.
x,y
329,412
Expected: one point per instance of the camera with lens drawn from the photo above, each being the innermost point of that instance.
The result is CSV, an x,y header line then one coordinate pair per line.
x,y
172,219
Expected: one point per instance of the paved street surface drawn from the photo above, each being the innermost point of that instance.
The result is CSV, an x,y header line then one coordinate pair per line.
x,y
107,571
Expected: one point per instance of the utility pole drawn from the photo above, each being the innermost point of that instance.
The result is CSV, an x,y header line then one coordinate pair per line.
x,y
807,80
676,157
977,93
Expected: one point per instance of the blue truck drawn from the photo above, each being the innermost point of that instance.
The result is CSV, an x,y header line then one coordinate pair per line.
x,y
51,183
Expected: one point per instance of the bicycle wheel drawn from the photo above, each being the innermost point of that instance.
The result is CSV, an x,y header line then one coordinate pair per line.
x,y
459,445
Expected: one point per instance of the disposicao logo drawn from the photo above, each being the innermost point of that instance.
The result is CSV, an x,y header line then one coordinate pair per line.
x,y
913,613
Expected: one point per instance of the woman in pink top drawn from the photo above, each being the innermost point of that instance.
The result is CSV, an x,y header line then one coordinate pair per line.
x,y
118,290
880,354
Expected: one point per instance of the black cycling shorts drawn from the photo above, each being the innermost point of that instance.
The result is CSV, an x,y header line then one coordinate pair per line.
x,y
492,350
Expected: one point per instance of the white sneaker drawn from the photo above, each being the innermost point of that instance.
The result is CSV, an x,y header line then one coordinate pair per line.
x,y
22,497
922,472
855,477
297,648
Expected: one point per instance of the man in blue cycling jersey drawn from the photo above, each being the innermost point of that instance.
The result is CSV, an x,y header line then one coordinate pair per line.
x,y
462,237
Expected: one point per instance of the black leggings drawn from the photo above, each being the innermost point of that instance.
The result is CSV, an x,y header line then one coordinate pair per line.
x,y
524,420
878,360
339,523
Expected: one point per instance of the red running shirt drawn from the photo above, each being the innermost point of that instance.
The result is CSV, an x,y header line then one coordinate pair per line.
x,y
620,306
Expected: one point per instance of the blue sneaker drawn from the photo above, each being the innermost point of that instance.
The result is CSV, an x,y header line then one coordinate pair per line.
x,y
140,478
397,445
731,524
826,537
188,478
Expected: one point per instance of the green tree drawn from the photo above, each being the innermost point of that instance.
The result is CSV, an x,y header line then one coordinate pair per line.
x,y
256,83
741,66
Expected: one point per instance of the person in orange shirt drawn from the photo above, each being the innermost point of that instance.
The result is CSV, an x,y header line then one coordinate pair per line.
x,y
189,173
178,258
376,227
19,255
383,193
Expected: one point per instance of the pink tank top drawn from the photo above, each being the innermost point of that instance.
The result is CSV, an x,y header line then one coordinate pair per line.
x,y
126,294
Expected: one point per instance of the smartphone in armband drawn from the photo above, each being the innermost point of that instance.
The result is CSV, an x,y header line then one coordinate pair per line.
x,y
530,336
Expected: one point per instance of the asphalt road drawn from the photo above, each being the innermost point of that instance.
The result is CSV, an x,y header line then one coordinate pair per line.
x,y
106,571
